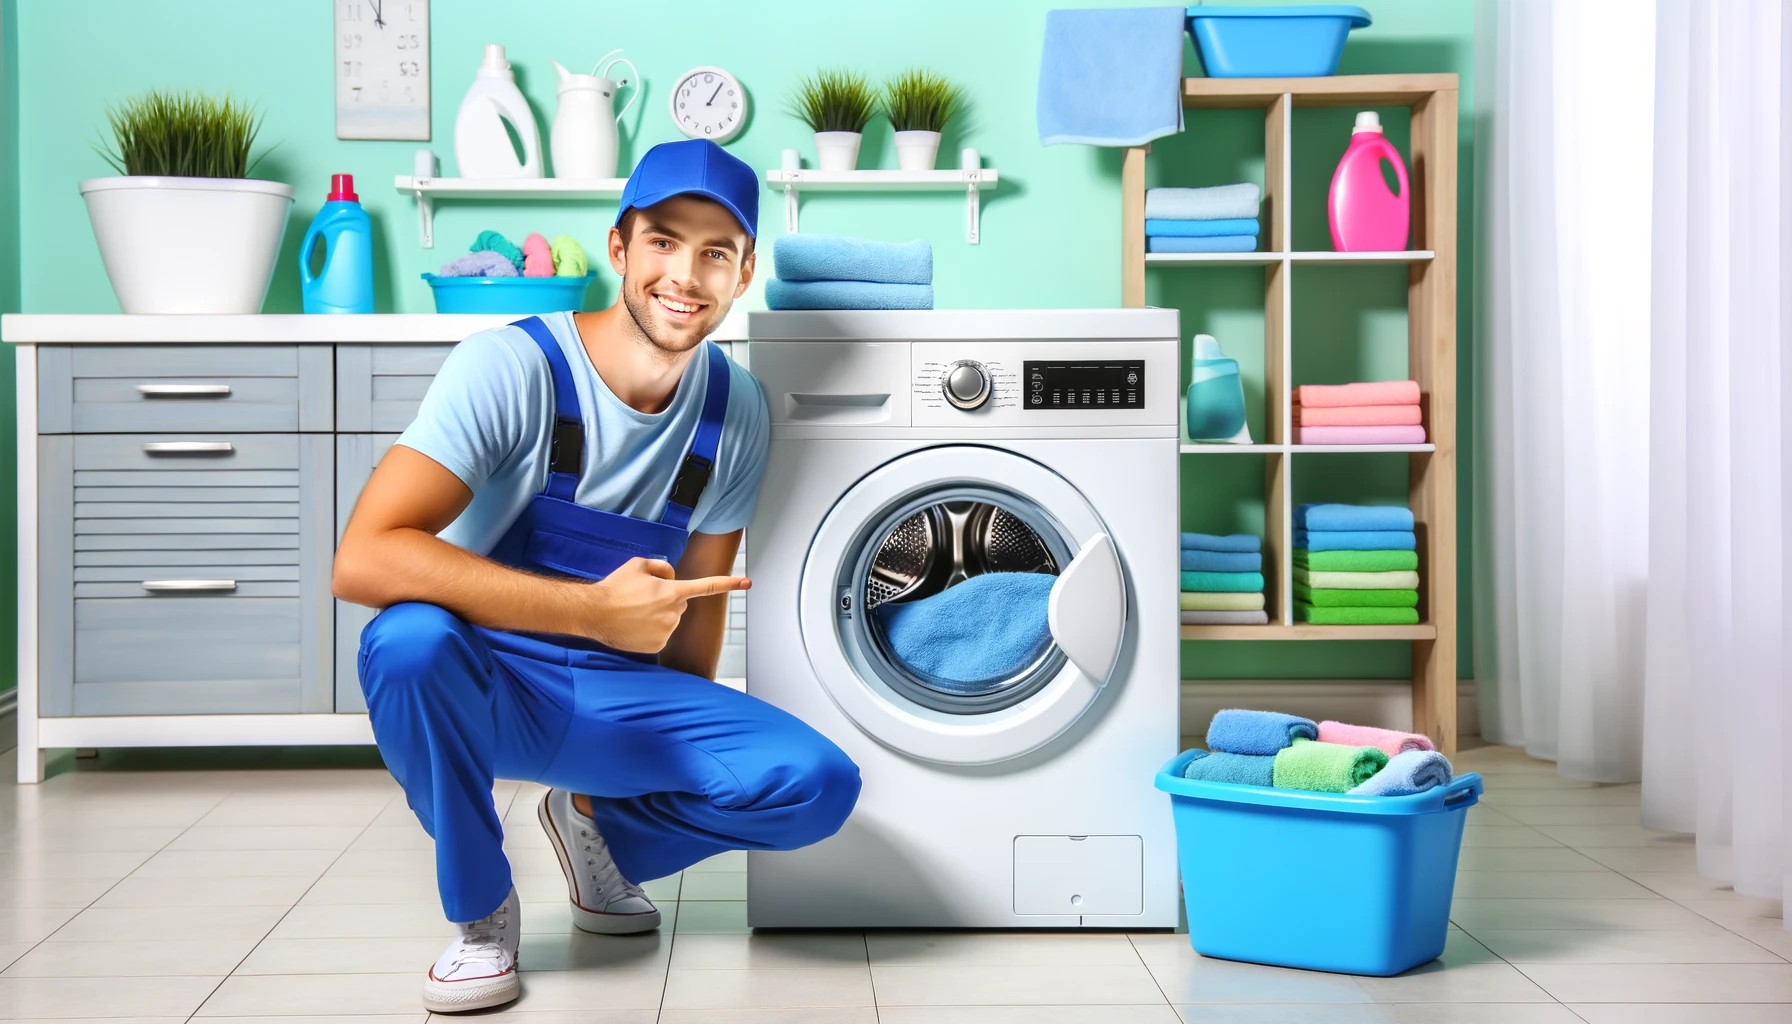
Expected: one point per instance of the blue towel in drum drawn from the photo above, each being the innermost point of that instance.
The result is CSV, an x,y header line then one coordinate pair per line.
x,y
1406,773
846,295
1215,542
987,627
1111,77
1236,731
1197,560
1243,769
1352,517
804,257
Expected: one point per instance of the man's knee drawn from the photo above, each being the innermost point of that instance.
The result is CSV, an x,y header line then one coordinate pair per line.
x,y
829,782
410,644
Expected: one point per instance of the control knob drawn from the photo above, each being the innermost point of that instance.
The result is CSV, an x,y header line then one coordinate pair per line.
x,y
965,384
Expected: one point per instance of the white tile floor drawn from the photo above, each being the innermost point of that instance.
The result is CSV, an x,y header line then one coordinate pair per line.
x,y
301,895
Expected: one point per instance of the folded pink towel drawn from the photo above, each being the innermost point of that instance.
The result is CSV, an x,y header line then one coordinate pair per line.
x,y
1381,392
538,259
1368,736
1358,416
1362,435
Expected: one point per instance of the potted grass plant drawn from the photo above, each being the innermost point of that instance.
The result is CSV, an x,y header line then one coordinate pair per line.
x,y
835,104
183,228
919,103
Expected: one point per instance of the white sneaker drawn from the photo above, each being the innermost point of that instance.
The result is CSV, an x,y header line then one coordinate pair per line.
x,y
602,900
479,968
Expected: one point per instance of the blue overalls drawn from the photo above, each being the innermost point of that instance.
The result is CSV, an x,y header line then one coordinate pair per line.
x,y
679,768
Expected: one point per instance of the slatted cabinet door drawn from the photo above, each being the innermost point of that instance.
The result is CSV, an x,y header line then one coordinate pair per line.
x,y
192,576
379,387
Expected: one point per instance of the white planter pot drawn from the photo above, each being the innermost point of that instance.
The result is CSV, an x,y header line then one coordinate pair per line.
x,y
837,151
916,151
188,245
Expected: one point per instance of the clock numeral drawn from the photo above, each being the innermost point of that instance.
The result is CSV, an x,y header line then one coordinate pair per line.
x,y
351,40
351,12
409,69
351,69
409,41
357,92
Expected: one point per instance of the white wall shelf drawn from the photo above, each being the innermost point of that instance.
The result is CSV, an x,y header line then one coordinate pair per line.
x,y
971,178
426,189
1254,259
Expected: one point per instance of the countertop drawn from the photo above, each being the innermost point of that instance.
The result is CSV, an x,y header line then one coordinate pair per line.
x,y
287,328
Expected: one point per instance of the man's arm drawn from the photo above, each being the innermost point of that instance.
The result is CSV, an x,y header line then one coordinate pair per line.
x,y
696,645
390,554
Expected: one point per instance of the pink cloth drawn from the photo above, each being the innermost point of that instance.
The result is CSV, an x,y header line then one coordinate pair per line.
x,y
1383,392
538,259
1362,435
1358,416
1368,736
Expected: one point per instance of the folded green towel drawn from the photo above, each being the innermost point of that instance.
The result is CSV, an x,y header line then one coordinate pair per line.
x,y
1326,767
1328,598
1355,561
1401,579
1208,601
1305,612
1223,582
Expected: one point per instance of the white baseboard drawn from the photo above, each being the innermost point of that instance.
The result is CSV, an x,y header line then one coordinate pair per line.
x,y
1385,703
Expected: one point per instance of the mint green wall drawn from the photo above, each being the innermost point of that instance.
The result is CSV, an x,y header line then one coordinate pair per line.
x,y
9,303
1051,232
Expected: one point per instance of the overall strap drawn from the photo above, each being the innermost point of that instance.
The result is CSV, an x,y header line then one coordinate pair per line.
x,y
566,452
694,472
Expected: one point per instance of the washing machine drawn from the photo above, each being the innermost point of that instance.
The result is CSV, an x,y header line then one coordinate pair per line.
x,y
912,452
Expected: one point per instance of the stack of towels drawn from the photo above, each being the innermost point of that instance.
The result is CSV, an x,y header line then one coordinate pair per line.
x,y
1268,748
1380,412
1222,218
1356,565
838,272
1222,580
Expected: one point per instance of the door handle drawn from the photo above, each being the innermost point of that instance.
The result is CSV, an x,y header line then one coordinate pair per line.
x,y
183,390
187,447
157,586
1087,610
837,407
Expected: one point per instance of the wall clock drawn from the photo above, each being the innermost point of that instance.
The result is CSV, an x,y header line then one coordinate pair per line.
x,y
382,69
709,103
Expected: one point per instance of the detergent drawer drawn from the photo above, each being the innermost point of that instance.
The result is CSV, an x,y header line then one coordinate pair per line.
x,y
1087,875
185,573
104,388
379,387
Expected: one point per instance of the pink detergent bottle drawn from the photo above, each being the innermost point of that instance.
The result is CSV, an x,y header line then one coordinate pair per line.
x,y
1365,216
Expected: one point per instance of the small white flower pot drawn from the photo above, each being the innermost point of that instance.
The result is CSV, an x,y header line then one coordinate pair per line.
x,y
837,151
916,151
188,245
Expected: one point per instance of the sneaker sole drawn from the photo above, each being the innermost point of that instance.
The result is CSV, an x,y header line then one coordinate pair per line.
x,y
583,919
464,996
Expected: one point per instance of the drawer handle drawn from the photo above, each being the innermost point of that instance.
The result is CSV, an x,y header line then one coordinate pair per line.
x,y
187,447
160,585
183,390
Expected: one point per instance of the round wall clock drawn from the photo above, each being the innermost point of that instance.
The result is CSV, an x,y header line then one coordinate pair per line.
x,y
709,103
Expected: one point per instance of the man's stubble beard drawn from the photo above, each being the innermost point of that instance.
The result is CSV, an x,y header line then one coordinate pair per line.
x,y
637,302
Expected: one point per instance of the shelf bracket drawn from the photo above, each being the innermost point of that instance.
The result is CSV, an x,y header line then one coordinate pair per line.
x,y
973,207
423,168
791,161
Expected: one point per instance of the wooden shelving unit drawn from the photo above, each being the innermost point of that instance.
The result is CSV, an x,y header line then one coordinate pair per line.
x,y
1431,354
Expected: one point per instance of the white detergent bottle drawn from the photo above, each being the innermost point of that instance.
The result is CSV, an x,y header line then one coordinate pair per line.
x,y
482,148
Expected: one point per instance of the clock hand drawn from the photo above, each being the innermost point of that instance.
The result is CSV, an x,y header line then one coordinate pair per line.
x,y
713,95
379,20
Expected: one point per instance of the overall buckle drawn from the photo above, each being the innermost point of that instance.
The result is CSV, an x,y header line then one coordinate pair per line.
x,y
566,452
693,476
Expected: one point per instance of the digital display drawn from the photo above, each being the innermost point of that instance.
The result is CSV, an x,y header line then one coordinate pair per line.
x,y
1096,384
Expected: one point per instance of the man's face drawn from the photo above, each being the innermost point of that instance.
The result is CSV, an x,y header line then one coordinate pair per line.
x,y
682,268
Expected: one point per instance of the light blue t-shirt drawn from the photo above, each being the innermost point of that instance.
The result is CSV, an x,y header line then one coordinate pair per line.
x,y
488,417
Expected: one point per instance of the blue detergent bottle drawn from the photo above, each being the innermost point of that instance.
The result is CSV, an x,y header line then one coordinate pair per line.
x,y
345,284
1215,395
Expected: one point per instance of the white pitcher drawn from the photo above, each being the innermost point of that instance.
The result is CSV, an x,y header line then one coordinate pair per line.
x,y
584,141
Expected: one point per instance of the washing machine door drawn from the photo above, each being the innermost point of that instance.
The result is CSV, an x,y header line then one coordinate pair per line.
x,y
975,676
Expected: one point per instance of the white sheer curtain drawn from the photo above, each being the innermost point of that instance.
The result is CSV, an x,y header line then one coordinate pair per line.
x,y
1562,392
1717,758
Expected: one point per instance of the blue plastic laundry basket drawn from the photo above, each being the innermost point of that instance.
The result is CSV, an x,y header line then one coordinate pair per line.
x,y
1272,42
509,294
1353,884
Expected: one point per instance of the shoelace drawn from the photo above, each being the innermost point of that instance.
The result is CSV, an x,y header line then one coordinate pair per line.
x,y
602,867
482,942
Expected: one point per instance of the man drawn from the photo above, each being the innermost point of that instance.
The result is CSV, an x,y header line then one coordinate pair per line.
x,y
529,537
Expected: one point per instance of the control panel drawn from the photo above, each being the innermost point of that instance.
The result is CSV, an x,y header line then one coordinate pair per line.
x,y
1083,384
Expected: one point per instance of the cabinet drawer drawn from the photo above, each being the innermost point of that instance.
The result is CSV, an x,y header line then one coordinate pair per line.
x,y
378,387
105,388
185,655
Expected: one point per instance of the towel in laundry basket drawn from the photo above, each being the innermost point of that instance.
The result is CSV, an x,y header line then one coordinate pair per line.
x,y
988,627
1326,767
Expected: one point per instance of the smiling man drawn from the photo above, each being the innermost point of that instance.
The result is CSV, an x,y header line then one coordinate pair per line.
x,y
550,541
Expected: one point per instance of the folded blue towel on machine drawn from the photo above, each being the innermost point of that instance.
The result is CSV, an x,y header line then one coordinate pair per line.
x,y
1111,77
1215,202
1242,769
1406,773
1218,243
1166,228
988,627
846,295
804,257
1352,517
1216,542
1237,731
1196,560
1356,540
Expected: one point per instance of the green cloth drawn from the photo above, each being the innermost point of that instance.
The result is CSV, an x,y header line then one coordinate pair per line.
x,y
1325,767
491,241
1324,616
1223,582
1398,579
1355,561
1328,598
1206,601
569,256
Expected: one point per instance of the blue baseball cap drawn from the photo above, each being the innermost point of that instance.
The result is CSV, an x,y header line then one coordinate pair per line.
x,y
694,167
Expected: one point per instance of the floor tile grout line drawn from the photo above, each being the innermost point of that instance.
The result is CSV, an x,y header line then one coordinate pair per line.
x,y
1151,973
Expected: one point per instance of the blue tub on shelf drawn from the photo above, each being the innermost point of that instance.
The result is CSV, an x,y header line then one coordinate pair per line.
x,y
1272,42
1324,881
509,294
